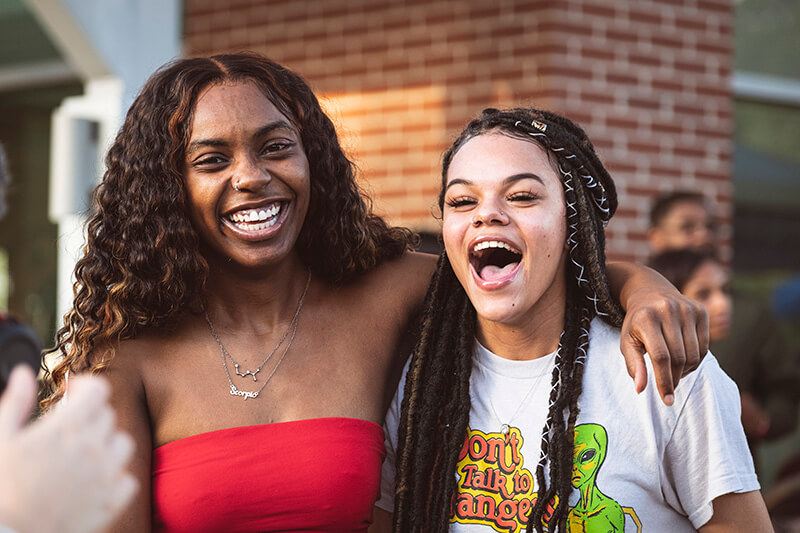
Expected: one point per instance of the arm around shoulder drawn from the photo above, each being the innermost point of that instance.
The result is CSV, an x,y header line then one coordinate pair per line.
x,y
659,320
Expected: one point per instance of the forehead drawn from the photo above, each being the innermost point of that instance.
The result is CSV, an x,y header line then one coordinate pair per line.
x,y
687,209
709,270
231,106
496,156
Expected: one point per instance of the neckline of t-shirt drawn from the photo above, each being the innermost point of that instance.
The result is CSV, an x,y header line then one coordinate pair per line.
x,y
529,368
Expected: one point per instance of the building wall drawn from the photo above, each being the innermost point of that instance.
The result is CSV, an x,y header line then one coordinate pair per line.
x,y
648,80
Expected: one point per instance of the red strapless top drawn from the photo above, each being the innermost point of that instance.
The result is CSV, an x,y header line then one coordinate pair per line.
x,y
321,474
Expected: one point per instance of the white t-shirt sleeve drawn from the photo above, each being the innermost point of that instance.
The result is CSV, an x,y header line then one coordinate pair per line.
x,y
386,500
707,454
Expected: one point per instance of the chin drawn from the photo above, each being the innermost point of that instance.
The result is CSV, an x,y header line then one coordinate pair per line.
x,y
501,312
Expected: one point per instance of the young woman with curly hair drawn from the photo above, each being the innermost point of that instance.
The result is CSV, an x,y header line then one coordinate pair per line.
x,y
252,314
482,440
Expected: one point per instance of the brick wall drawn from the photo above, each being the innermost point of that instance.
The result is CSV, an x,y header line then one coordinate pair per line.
x,y
649,81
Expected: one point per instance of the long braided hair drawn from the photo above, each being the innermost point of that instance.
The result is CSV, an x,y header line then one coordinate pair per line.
x,y
436,403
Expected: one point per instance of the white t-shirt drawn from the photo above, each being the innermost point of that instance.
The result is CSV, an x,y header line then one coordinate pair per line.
x,y
643,466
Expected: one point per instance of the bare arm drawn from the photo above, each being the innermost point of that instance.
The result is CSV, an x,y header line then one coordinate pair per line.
x,y
739,512
128,399
381,521
670,327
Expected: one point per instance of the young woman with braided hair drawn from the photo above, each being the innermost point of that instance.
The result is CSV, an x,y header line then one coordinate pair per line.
x,y
252,313
519,294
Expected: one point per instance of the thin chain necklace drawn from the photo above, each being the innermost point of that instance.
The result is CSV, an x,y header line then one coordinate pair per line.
x,y
224,352
505,427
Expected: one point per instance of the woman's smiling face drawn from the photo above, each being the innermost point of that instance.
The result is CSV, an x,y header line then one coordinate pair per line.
x,y
247,176
504,228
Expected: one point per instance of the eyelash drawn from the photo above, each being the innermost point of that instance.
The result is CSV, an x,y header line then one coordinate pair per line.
x,y
459,201
209,161
269,148
523,196
281,146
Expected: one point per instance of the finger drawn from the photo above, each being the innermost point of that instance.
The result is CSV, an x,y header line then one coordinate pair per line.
x,y
122,493
657,349
99,429
691,346
676,349
17,400
703,334
87,396
634,351
105,506
120,448
88,386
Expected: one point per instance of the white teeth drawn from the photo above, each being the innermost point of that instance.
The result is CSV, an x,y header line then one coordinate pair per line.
x,y
255,219
493,244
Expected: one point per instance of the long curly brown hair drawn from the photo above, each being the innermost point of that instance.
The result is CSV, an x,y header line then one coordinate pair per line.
x,y
141,266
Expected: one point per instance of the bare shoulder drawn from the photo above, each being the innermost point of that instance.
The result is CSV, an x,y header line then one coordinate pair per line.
x,y
128,397
405,278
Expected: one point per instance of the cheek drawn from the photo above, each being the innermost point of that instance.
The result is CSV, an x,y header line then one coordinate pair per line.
x,y
720,304
194,200
452,235
550,236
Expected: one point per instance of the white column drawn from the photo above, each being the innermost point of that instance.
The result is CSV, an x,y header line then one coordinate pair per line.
x,y
82,129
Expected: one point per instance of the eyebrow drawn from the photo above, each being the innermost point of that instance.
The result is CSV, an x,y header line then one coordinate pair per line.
x,y
260,132
507,181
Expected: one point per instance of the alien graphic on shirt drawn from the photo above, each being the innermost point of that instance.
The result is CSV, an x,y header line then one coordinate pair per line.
x,y
595,512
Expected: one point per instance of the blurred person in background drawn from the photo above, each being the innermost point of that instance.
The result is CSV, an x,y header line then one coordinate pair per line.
x,y
753,352
700,275
681,219
769,389
67,471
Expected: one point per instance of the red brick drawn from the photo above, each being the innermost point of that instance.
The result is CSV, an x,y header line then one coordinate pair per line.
x,y
723,7
689,151
690,66
643,16
598,10
667,42
620,36
647,148
621,79
650,103
621,122
562,70
671,84
667,129
650,60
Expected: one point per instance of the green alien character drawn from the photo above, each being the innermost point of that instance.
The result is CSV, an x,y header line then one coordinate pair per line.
x,y
595,512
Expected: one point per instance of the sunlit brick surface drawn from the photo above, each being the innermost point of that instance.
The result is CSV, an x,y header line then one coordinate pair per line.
x,y
649,80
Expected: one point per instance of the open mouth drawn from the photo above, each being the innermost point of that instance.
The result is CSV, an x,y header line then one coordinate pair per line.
x,y
494,260
258,218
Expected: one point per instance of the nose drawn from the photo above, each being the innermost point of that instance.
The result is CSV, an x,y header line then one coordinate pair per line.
x,y
490,214
496,217
250,175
